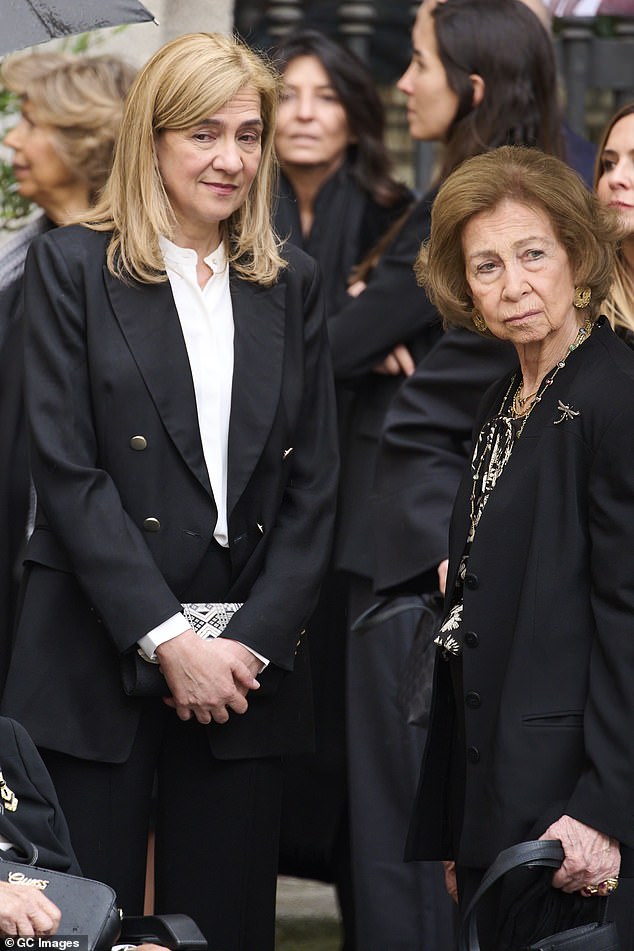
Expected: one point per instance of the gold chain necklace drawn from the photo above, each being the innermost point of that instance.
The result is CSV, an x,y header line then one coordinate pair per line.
x,y
534,398
519,401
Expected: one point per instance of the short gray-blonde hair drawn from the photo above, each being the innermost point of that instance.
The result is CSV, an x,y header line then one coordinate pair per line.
x,y
584,228
81,98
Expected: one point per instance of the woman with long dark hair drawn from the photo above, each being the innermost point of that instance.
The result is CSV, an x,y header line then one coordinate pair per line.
x,y
337,191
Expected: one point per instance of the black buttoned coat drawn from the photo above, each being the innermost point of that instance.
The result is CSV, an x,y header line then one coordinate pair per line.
x,y
548,662
123,523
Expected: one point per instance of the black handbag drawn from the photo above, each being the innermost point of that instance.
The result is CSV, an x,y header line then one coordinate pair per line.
x,y
88,908
546,853
142,678
415,688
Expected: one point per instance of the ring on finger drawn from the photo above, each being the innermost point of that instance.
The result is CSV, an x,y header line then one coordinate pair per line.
x,y
605,887
609,885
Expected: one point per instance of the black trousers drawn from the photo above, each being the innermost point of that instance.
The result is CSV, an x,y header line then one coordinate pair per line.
x,y
217,829
400,906
217,821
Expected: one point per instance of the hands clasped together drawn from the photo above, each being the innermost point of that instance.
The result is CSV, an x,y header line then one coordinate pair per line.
x,y
208,678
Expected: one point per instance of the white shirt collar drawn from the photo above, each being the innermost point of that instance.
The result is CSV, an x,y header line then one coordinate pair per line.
x,y
181,260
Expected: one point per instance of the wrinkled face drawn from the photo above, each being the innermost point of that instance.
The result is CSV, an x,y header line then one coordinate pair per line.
x,y
40,172
519,275
312,126
431,103
615,187
207,170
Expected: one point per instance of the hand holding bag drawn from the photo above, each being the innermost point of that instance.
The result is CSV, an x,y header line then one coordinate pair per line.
x,y
546,853
142,675
88,907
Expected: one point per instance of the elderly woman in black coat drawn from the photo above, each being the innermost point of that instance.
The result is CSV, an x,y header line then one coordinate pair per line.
x,y
533,706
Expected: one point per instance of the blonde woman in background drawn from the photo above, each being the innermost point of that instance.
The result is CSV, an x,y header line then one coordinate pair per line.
x,y
614,185
62,145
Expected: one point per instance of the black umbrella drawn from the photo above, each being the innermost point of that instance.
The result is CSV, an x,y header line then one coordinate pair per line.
x,y
27,22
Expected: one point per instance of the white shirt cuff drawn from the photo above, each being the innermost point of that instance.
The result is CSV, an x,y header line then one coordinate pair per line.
x,y
175,625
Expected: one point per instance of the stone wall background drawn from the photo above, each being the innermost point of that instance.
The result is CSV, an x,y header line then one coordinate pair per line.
x,y
138,41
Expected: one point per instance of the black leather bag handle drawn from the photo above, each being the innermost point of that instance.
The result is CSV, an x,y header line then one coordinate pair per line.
x,y
547,853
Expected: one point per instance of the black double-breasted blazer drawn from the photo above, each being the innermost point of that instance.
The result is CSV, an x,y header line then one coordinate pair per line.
x,y
125,507
548,661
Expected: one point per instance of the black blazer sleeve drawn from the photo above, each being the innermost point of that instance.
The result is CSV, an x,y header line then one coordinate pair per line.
x,y
603,797
424,448
82,504
38,814
392,309
283,594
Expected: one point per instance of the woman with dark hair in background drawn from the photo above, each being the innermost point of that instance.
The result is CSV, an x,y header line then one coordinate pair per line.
x,y
337,196
337,193
482,74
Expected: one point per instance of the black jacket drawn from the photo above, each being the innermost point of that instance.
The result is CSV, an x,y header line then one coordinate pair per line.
x,y
120,532
548,601
425,445
392,309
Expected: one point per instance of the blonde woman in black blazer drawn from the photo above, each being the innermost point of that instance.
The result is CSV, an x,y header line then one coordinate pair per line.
x,y
533,706
128,526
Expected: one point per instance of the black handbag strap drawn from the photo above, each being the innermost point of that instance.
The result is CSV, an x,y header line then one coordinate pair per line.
x,y
547,853
385,610
10,832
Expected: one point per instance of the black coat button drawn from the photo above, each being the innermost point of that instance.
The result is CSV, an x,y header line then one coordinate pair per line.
x,y
471,581
471,639
473,699
473,754
151,524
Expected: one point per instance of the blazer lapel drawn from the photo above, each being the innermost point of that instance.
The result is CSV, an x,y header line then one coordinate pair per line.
x,y
259,322
148,318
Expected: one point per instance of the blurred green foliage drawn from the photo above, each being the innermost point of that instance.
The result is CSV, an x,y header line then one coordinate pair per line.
x,y
13,208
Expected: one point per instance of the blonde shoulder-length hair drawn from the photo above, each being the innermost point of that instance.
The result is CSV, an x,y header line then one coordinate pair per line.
x,y
619,304
186,81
